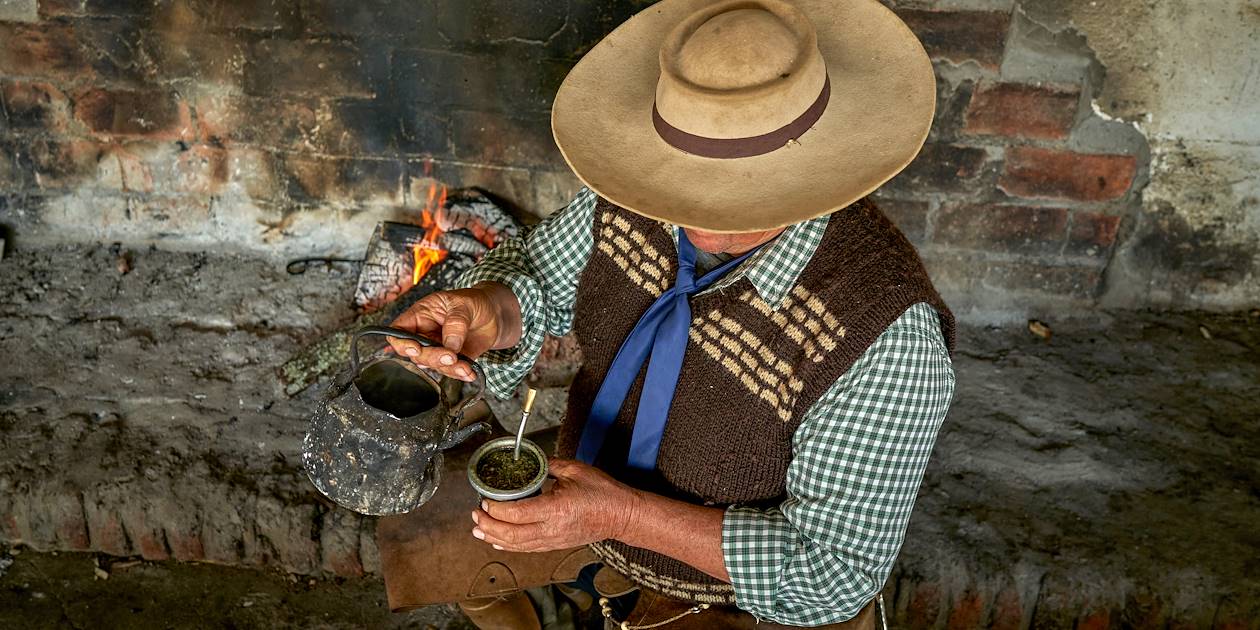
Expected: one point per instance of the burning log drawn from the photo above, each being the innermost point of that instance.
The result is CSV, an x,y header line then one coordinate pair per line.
x,y
405,262
460,228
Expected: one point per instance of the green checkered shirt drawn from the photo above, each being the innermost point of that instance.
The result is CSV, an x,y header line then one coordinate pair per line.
x,y
858,455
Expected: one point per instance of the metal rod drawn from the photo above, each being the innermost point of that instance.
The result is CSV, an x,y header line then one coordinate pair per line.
x,y
520,431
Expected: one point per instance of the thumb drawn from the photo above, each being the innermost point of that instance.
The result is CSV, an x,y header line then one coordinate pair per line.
x,y
455,327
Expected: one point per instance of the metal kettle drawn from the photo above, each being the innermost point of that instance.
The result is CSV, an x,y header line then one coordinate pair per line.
x,y
375,442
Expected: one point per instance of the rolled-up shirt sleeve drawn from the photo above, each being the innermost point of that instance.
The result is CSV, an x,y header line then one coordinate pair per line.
x,y
858,460
542,269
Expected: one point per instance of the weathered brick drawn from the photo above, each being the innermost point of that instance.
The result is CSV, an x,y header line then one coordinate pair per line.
x,y
1095,620
1079,282
229,118
942,167
169,214
143,529
490,138
207,57
925,605
312,68
116,7
165,167
41,50
1022,111
35,105
1008,610
1240,612
117,52
104,524
384,127
425,131
50,164
339,544
909,216
185,544
153,114
1143,610
19,11
200,169
374,18
1092,234
508,84
534,191
224,526
967,613
1016,229
15,521
961,36
308,125
283,535
56,8
480,23
1035,173
253,171
369,555
264,15
1059,602
588,23
343,180
56,521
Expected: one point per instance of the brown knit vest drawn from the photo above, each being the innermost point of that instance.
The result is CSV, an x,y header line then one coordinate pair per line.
x,y
751,370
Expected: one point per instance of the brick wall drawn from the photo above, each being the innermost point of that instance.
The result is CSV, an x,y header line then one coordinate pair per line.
x,y
282,125
292,126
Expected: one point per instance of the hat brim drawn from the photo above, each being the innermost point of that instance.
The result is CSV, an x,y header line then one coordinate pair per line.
x,y
883,98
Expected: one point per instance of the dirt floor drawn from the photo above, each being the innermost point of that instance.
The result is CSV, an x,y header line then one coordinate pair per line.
x,y
82,590
1108,470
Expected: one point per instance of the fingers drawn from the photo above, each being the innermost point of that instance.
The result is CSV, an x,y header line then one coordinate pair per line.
x,y
531,510
443,314
435,358
510,536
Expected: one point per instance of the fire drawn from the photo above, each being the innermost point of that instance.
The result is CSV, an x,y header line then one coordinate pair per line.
x,y
428,252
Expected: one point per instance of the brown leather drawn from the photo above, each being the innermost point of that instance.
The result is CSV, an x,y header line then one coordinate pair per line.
x,y
611,583
653,608
429,556
506,612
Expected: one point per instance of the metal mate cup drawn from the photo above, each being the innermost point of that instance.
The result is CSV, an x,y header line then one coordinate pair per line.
x,y
528,448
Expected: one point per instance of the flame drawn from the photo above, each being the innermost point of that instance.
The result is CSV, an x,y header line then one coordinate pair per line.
x,y
428,253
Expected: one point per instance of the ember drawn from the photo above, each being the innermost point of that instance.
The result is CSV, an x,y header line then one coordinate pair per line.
x,y
455,229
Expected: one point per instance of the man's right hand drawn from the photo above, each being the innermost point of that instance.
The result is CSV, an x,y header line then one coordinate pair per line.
x,y
467,321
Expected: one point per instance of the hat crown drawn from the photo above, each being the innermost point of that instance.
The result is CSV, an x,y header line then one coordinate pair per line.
x,y
739,69
738,49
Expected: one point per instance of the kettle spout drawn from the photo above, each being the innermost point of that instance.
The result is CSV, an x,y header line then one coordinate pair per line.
x,y
458,437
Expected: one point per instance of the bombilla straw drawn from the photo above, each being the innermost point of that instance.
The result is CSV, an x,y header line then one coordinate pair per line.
x,y
520,431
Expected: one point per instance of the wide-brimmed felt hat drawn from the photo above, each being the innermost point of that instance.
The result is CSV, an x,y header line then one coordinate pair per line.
x,y
746,115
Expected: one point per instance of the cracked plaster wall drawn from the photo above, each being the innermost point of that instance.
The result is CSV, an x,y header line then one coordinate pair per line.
x,y
1187,75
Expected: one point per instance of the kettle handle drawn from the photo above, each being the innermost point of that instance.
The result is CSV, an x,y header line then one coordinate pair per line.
x,y
424,341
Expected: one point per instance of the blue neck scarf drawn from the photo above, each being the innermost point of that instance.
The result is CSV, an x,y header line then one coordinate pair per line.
x,y
661,334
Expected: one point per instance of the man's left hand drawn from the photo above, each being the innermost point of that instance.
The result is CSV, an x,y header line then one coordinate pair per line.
x,y
585,505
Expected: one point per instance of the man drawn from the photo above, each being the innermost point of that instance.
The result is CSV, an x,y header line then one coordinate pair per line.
x,y
766,363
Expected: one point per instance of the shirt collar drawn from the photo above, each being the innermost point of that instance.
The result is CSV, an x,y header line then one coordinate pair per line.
x,y
774,269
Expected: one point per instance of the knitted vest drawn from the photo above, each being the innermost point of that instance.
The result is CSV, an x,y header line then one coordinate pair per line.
x,y
751,370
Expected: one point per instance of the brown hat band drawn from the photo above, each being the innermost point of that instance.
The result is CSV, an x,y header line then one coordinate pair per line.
x,y
725,148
